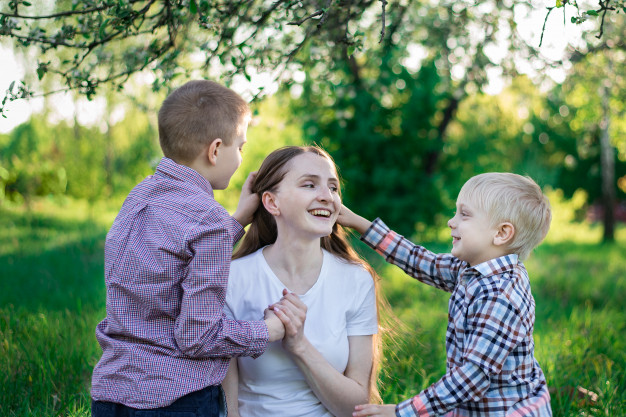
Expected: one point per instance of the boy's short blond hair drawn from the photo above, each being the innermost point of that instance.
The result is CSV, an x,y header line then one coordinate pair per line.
x,y
513,198
196,114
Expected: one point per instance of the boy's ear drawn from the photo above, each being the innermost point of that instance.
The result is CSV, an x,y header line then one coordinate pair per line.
x,y
504,235
268,199
213,150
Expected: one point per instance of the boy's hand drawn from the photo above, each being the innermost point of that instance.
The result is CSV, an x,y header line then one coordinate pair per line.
x,y
352,220
275,327
385,410
248,202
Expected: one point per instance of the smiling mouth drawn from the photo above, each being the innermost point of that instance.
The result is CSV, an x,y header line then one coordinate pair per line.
x,y
320,213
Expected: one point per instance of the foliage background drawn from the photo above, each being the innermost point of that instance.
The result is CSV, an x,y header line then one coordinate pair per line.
x,y
408,122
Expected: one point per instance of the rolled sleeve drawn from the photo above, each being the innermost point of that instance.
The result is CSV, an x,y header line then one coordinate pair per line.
x,y
202,329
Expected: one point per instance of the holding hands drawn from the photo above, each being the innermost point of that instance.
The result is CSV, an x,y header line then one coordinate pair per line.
x,y
292,313
285,320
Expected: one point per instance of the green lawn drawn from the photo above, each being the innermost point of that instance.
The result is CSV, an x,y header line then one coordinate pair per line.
x,y
52,297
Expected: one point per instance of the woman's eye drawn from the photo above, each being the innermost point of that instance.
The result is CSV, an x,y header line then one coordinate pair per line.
x,y
308,185
334,189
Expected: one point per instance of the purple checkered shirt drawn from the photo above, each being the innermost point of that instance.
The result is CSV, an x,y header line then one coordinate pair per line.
x,y
167,258
491,369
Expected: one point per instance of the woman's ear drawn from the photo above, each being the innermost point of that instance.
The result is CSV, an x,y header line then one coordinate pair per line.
x,y
504,235
213,150
269,201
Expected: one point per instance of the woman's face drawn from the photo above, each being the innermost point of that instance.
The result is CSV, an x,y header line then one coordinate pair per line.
x,y
307,199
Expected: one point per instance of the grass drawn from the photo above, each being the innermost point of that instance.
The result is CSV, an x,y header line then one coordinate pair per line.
x,y
52,297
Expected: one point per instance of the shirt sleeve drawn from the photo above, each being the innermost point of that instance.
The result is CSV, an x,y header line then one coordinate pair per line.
x,y
440,271
202,329
362,319
494,329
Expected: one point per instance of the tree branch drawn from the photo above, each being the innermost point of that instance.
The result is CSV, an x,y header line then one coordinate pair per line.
x,y
382,29
543,30
311,16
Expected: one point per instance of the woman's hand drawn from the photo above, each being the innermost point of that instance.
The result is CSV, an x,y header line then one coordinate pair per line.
x,y
373,410
292,312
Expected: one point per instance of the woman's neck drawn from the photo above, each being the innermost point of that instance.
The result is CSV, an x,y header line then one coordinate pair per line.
x,y
296,263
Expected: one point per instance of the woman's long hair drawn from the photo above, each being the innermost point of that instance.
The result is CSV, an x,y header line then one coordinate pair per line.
x,y
263,231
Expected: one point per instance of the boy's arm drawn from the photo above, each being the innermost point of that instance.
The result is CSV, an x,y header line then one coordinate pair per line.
x,y
493,330
202,329
440,271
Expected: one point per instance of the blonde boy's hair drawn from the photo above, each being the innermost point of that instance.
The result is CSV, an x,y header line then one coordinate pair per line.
x,y
513,198
196,114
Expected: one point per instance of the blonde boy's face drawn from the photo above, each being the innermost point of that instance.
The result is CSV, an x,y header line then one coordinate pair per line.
x,y
472,234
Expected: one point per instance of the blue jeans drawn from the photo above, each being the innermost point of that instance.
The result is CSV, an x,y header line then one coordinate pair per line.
x,y
202,403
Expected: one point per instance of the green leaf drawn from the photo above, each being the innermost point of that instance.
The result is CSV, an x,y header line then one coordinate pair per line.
x,y
103,27
193,7
41,71
559,3
592,12
26,3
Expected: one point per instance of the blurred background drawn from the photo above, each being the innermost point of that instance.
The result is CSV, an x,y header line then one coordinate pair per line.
x,y
411,98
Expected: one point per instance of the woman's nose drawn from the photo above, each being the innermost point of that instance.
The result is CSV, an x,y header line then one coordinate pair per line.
x,y
325,194
450,223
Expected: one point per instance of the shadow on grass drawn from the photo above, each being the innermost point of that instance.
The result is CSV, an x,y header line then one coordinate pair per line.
x,y
51,264
53,296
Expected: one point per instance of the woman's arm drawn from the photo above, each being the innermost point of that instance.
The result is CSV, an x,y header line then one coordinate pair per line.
x,y
230,386
339,393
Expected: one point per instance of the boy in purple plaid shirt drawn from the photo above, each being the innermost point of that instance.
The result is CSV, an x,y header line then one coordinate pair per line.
x,y
166,343
491,369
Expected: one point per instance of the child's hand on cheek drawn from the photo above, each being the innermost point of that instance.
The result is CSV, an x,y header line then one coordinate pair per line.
x,y
248,202
348,218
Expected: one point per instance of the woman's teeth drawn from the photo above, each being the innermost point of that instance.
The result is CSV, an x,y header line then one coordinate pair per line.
x,y
323,213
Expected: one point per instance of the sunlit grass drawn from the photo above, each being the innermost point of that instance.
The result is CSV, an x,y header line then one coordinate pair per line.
x,y
53,296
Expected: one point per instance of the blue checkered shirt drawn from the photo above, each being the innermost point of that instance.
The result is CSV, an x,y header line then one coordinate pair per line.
x,y
491,369
167,258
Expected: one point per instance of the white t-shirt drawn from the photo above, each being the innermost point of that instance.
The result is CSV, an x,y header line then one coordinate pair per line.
x,y
341,303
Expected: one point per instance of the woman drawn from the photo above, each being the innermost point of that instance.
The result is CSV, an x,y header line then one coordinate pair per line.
x,y
326,363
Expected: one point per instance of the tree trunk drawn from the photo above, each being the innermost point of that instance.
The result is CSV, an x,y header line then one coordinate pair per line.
x,y
607,161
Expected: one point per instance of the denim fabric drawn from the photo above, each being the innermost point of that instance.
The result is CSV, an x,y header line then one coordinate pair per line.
x,y
203,403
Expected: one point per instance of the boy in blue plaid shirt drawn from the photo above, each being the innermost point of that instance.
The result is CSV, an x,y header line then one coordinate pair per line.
x,y
491,369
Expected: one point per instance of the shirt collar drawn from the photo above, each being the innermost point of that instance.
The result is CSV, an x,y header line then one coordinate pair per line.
x,y
497,265
183,173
